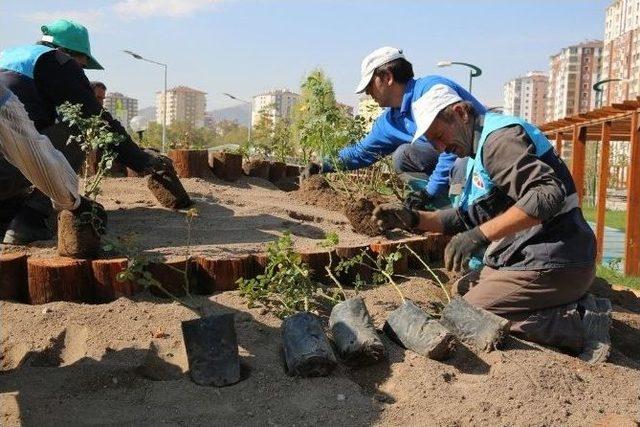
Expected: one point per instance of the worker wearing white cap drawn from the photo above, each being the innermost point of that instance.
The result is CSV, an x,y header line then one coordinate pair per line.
x,y
388,78
521,200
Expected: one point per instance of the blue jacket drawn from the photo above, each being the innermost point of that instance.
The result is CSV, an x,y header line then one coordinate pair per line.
x,y
396,126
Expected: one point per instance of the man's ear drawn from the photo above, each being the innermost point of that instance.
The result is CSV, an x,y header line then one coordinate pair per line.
x,y
388,79
461,112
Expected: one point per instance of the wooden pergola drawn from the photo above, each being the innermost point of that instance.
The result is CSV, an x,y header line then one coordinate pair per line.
x,y
617,122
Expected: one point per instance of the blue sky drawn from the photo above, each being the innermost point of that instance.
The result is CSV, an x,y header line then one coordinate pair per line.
x,y
247,46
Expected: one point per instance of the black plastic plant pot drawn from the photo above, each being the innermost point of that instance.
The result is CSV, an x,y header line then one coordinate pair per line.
x,y
412,328
473,325
307,351
354,336
212,350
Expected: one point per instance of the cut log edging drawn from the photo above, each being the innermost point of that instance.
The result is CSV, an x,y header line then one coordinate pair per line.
x,y
39,280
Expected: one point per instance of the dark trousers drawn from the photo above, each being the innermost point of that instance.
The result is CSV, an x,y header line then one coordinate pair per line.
x,y
540,304
16,190
415,164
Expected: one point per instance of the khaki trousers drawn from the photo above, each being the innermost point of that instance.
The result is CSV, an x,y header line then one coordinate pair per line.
x,y
542,305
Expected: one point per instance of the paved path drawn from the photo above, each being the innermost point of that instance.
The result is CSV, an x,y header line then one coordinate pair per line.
x,y
613,244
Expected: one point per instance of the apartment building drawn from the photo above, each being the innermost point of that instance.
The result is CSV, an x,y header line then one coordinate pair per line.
x,y
184,104
526,97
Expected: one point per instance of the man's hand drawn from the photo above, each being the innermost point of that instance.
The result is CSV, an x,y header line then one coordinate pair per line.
x,y
310,169
392,215
92,212
462,247
418,200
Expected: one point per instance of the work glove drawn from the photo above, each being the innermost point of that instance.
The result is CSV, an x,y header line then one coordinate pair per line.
x,y
418,200
462,247
92,212
393,215
309,170
157,163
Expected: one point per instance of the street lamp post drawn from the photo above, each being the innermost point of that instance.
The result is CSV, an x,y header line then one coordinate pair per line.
x,y
474,72
164,112
599,90
228,95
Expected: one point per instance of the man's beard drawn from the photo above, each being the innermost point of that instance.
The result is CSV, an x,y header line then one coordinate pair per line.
x,y
462,143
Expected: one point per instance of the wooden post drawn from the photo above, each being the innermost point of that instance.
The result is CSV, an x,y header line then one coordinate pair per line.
x,y
559,144
632,241
578,158
603,182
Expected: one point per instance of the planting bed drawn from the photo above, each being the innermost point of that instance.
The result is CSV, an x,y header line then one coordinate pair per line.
x,y
124,361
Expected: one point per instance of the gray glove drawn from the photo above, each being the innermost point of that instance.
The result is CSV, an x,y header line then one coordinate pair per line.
x,y
392,215
462,247
157,163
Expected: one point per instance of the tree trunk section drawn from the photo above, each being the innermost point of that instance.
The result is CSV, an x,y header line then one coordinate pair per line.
x,y
59,279
277,171
222,274
226,166
256,168
13,277
292,171
317,261
171,276
365,272
190,163
381,249
106,285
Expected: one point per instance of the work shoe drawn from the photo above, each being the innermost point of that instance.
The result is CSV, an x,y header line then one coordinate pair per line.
x,y
596,321
27,226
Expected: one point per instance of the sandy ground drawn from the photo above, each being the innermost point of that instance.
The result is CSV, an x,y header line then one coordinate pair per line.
x,y
72,364
124,363
235,217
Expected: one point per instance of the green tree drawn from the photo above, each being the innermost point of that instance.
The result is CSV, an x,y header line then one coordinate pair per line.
x,y
321,126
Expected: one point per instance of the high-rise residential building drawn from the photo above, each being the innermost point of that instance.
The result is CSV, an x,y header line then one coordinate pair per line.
x,y
526,97
621,55
183,105
368,109
121,107
276,103
572,73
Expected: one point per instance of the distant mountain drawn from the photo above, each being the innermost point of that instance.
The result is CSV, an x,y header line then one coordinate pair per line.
x,y
149,113
239,113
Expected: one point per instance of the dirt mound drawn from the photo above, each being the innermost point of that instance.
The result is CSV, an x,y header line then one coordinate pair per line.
x,y
317,191
359,215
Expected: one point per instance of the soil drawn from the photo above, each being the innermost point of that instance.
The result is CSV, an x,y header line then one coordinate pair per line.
x,y
359,214
317,191
77,237
125,363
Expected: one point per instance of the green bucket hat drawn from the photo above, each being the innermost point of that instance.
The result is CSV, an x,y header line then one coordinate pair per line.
x,y
70,35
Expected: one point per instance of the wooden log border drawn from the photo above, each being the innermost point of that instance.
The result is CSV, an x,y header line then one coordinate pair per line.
x,y
94,281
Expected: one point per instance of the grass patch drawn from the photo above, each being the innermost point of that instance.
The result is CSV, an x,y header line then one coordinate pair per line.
x,y
613,219
614,276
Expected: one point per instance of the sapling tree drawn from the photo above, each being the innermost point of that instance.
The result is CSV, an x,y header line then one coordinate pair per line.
x,y
92,134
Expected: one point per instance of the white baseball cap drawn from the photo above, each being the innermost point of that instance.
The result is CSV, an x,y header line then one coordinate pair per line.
x,y
427,107
372,61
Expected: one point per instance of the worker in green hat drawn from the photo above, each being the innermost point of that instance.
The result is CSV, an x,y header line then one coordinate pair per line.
x,y
43,76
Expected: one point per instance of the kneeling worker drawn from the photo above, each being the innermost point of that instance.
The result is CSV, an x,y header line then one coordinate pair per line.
x,y
519,199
